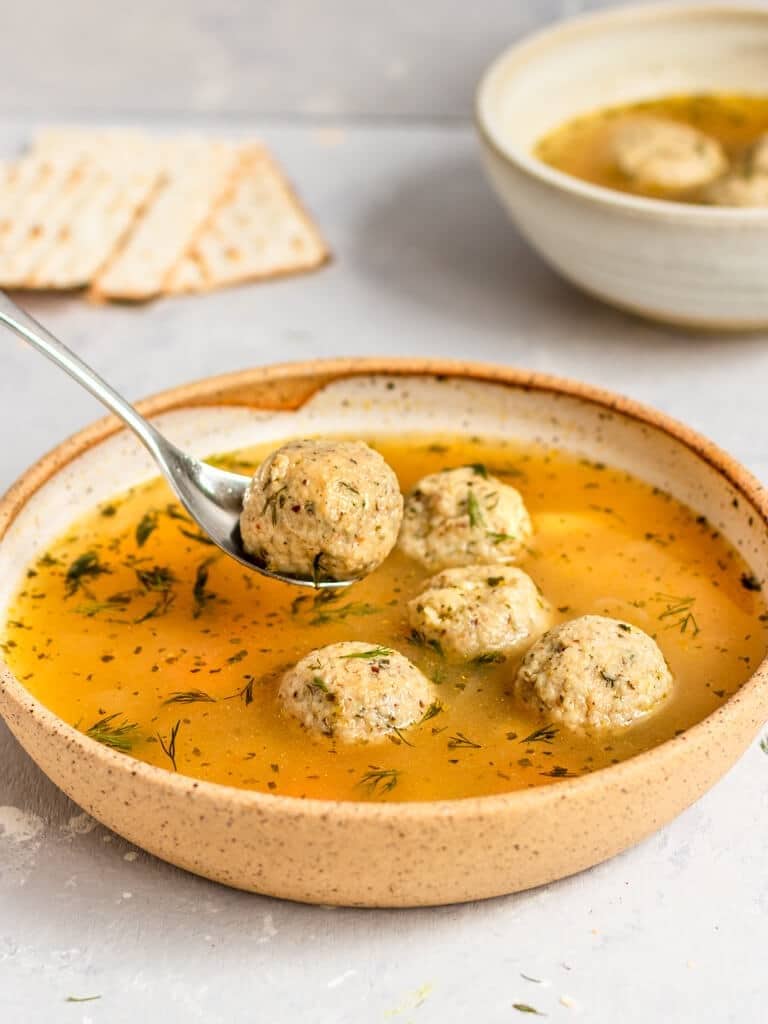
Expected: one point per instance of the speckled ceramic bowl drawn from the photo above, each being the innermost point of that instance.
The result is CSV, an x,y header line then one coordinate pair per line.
x,y
701,266
373,854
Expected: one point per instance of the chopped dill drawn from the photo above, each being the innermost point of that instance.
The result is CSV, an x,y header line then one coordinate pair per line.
x,y
373,653
169,746
318,685
158,579
399,738
246,693
81,999
238,656
479,468
499,538
197,536
764,744
85,567
145,528
92,608
343,612
545,734
432,711
489,658
420,640
200,595
114,734
380,780
678,613
559,772
474,511
460,740
190,697
525,1008
174,511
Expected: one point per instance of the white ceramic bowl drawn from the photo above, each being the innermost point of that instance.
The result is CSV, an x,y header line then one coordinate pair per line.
x,y
693,265
365,853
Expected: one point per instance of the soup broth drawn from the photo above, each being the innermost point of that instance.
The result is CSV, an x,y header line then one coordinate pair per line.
x,y
138,632
582,146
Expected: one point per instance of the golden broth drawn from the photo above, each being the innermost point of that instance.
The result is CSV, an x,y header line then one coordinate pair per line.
x,y
581,146
135,630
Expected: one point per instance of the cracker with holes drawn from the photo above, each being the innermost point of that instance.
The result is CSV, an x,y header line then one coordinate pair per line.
x,y
259,231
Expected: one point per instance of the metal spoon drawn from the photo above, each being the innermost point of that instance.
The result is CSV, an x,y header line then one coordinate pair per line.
x,y
213,497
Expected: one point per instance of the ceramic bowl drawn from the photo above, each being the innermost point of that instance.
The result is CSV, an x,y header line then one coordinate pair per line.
x,y
692,265
375,854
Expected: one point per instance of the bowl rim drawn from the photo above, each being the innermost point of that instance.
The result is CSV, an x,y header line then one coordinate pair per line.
x,y
531,46
203,392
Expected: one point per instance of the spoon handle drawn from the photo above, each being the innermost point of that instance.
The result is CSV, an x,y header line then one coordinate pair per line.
x,y
30,330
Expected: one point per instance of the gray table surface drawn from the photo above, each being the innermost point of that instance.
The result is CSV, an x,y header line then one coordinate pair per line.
x,y
675,929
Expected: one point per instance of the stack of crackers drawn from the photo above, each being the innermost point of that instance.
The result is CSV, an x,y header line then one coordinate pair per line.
x,y
132,217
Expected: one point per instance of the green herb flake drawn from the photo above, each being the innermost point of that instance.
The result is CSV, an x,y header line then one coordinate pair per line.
x,y
460,740
159,578
474,511
201,596
85,567
112,733
380,780
489,658
81,999
545,734
373,653
343,612
434,709
190,697
146,527
525,1008
168,746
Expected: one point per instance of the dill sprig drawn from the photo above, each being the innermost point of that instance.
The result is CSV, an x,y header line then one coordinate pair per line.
x,y
169,746
545,734
460,740
114,734
85,567
343,612
434,709
678,613
380,780
396,736
246,693
374,652
190,697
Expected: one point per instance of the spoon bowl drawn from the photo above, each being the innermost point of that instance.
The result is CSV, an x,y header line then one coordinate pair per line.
x,y
213,497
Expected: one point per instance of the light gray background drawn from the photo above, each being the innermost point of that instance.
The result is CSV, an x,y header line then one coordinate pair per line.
x,y
368,105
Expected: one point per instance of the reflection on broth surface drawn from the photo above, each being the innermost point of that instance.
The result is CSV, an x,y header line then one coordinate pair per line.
x,y
586,147
136,630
